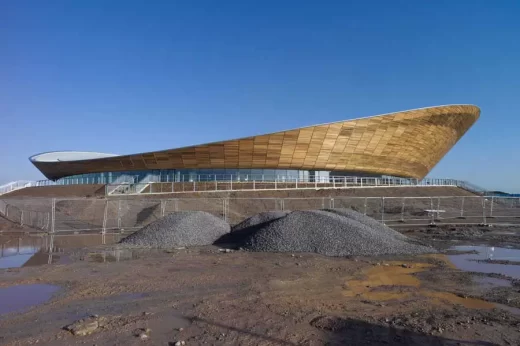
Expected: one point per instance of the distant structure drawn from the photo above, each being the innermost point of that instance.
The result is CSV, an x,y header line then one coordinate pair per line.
x,y
403,144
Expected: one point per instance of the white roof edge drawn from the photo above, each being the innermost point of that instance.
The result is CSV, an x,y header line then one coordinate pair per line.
x,y
57,156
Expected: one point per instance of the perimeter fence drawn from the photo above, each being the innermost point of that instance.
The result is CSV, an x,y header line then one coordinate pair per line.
x,y
108,214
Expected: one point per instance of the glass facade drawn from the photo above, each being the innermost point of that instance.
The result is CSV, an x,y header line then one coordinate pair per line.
x,y
190,175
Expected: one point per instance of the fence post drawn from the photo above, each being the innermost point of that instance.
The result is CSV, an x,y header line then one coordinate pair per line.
x,y
296,182
402,211
254,187
432,222
333,182
275,180
231,181
224,209
383,210
119,214
365,206
105,214
462,208
484,210
323,203
491,208
163,206
331,203
53,225
21,219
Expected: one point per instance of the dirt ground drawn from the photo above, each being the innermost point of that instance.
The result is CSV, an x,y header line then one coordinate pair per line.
x,y
206,297
444,235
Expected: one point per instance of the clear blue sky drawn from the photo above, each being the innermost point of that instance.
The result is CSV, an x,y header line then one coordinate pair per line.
x,y
134,76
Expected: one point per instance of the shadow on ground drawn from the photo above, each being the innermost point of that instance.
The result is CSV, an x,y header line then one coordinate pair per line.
x,y
347,331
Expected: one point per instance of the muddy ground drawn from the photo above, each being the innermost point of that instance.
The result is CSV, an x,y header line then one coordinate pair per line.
x,y
206,297
448,235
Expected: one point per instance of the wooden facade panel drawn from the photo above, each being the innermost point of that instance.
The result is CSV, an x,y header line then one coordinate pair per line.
x,y
406,144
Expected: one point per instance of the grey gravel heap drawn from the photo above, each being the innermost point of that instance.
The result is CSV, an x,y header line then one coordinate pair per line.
x,y
259,219
182,228
365,220
330,233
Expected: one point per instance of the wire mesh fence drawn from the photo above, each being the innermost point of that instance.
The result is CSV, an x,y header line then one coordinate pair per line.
x,y
107,214
38,218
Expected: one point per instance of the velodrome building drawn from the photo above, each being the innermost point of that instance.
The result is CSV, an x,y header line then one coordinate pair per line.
x,y
403,144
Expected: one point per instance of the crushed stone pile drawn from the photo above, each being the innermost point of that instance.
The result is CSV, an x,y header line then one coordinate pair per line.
x,y
259,219
182,228
244,229
365,220
327,232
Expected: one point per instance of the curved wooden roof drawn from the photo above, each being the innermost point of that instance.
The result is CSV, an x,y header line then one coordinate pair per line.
x,y
404,144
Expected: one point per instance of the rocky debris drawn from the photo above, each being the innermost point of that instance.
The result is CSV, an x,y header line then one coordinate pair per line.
x,y
142,333
180,229
179,343
86,326
330,233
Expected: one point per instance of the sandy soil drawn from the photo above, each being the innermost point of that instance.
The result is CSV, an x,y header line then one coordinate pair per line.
x,y
206,297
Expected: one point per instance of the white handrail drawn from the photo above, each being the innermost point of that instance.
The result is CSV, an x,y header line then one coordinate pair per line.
x,y
15,185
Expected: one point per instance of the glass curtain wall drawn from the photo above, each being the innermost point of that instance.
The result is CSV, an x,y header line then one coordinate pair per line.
x,y
190,175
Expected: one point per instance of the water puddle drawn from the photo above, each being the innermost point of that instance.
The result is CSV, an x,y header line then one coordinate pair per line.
x,y
511,309
12,257
488,282
34,257
22,297
470,262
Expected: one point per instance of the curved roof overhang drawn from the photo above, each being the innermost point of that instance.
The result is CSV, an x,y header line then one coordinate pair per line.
x,y
405,144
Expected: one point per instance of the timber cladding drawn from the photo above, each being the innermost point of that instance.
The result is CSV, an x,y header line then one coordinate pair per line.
x,y
404,144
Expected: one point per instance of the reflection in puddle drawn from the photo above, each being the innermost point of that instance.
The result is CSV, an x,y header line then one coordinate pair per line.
x,y
21,297
33,250
17,252
113,255
467,262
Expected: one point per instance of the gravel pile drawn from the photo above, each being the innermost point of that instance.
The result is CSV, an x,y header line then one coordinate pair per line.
x,y
330,233
365,220
259,219
240,232
182,228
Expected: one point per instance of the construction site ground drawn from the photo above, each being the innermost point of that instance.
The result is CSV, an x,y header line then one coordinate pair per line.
x,y
207,297
204,296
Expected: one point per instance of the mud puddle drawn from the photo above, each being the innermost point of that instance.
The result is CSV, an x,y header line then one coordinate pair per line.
x,y
490,282
472,262
22,297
